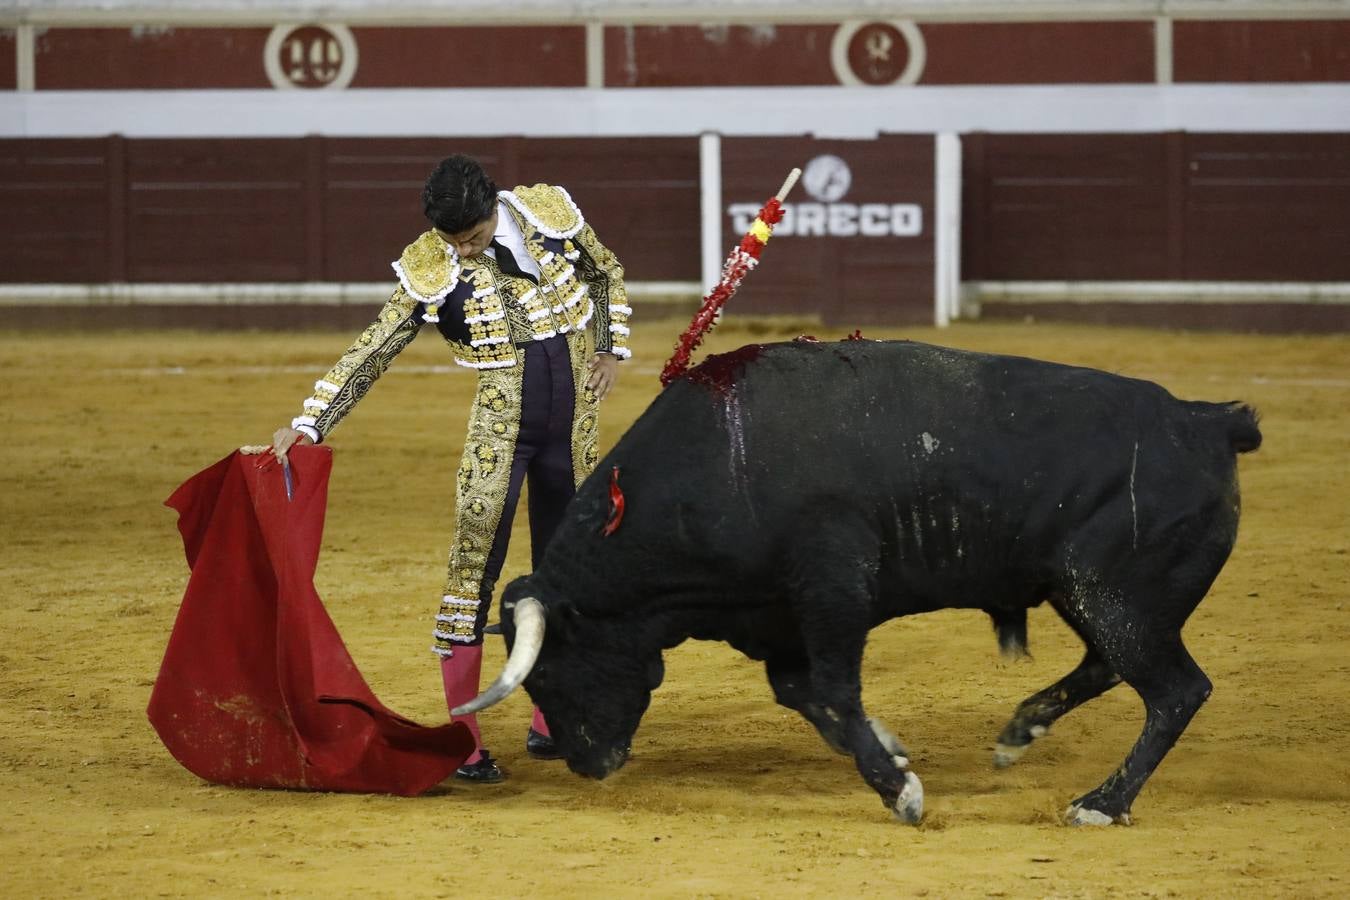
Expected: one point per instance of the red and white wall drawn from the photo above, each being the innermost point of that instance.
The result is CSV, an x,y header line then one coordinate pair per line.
x,y
1192,164
163,47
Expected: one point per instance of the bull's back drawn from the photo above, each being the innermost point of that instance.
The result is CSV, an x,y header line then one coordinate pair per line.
x,y
947,455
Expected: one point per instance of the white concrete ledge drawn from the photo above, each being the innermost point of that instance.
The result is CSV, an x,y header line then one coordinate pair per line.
x,y
974,293
635,12
857,112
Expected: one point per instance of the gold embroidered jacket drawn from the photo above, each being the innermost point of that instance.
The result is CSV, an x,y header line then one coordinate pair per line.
x,y
482,313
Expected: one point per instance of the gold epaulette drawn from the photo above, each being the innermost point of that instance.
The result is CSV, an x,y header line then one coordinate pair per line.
x,y
548,208
428,268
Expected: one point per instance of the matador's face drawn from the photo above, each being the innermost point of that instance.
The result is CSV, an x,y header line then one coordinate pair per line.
x,y
472,241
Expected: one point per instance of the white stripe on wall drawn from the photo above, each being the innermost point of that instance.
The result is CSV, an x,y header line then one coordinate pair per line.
x,y
1162,50
24,60
624,112
595,54
1244,292
710,209
947,229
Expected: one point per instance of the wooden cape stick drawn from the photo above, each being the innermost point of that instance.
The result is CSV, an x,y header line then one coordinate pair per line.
x,y
744,257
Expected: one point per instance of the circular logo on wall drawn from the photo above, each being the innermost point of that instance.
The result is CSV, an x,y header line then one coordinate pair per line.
x,y
878,53
310,56
827,178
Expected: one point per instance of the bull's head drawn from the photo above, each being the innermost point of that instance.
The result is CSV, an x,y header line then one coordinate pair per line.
x,y
591,688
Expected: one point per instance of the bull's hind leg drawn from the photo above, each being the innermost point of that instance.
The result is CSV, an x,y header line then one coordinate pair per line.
x,y
1150,657
1038,712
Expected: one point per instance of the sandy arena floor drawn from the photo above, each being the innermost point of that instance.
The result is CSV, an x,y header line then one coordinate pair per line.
x,y
727,793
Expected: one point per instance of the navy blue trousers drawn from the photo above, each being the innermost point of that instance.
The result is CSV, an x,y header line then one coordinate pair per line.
x,y
543,454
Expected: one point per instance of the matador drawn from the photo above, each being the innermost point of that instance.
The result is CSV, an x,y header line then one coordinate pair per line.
x,y
526,295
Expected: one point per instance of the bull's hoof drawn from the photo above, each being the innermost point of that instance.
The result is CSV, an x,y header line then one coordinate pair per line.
x,y
909,805
1077,815
1007,754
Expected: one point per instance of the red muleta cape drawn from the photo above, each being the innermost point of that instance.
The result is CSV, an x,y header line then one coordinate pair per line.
x,y
256,688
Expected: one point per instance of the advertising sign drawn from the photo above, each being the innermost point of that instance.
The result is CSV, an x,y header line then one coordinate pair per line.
x,y
856,242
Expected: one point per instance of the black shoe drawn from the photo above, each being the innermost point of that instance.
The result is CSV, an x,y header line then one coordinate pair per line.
x,y
541,746
484,771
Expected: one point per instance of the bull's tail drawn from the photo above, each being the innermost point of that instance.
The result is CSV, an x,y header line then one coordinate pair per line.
x,y
1238,423
1241,423
1244,428
1011,627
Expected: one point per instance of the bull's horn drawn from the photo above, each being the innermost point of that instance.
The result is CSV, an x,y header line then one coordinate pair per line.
x,y
529,618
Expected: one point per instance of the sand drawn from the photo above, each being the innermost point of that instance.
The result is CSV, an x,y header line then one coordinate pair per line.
x,y
727,794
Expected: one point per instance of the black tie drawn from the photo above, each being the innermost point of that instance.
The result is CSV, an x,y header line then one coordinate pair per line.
x,y
507,262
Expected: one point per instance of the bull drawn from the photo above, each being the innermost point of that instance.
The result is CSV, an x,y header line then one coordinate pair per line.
x,y
786,498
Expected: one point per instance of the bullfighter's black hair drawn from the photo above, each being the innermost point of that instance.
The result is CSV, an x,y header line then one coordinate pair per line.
x,y
458,195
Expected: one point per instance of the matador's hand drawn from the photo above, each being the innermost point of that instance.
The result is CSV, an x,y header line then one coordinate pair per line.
x,y
285,438
603,371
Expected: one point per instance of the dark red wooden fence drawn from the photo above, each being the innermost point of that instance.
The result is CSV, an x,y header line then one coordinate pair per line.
x,y
1171,206
310,209
1175,206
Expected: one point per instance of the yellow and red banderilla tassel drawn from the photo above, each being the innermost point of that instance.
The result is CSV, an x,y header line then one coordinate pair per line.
x,y
744,257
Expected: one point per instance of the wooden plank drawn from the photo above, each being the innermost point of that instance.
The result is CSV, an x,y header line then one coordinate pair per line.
x,y
8,54
1039,53
150,57
54,206
1076,207
1268,207
974,205
1251,51
1175,223
210,210
117,208
728,55
508,56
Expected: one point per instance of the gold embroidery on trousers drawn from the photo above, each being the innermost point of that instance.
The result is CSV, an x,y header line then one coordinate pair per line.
x,y
585,418
480,497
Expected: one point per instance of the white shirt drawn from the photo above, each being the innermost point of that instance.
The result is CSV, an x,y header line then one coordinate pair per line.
x,y
508,233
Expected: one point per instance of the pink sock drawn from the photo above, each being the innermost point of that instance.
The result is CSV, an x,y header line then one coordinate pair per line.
x,y
460,676
538,723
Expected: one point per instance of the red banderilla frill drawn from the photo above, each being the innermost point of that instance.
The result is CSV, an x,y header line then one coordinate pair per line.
x,y
744,257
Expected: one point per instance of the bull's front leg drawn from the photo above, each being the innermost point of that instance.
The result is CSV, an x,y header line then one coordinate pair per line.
x,y
878,754
790,678
833,606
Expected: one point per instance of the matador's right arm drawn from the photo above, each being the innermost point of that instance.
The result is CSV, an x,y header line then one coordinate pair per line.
x,y
365,360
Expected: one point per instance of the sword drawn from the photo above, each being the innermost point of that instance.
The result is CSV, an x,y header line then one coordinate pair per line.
x,y
265,457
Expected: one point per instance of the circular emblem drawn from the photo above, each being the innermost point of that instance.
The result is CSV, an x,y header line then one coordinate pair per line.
x,y
878,53
310,56
827,178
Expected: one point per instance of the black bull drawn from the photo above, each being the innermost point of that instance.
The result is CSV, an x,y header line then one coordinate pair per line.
x,y
788,498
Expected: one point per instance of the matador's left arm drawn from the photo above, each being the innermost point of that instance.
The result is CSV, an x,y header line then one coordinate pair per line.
x,y
603,274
